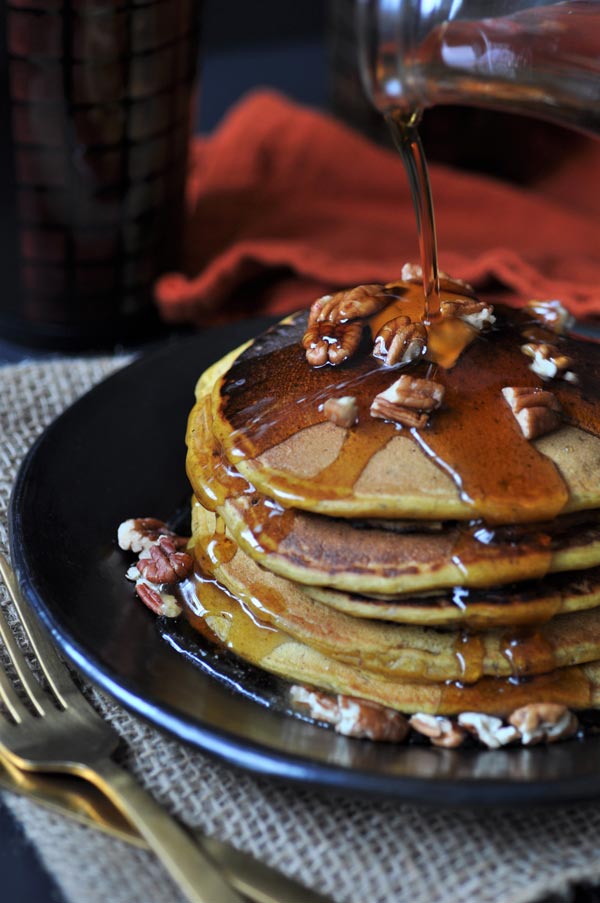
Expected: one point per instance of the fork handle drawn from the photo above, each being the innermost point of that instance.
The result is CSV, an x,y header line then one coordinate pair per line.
x,y
192,869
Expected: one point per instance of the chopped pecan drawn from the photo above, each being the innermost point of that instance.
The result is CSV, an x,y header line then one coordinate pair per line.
x,y
384,409
158,601
477,314
139,533
552,314
548,362
441,731
408,401
400,341
536,411
354,304
321,706
413,272
361,718
342,411
488,730
331,343
544,722
352,717
163,563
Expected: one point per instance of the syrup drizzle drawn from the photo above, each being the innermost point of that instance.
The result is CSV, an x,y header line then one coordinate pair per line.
x,y
565,686
405,134
509,553
474,438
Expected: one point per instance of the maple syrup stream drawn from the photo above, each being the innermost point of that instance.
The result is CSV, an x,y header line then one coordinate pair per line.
x,y
405,134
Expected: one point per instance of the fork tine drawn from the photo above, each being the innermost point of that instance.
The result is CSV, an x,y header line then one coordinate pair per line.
x,y
10,698
55,671
30,684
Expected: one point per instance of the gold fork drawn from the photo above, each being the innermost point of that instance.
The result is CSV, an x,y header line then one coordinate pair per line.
x,y
66,735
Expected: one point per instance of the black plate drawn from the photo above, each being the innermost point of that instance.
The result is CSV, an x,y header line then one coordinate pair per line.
x,y
119,453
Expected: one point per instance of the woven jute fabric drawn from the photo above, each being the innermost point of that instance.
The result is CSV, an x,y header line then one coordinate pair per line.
x,y
352,850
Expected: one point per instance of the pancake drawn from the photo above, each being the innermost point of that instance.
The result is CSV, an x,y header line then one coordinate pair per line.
x,y
473,462
515,605
316,550
392,650
226,621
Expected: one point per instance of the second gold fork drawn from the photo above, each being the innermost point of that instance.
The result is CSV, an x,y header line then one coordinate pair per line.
x,y
66,735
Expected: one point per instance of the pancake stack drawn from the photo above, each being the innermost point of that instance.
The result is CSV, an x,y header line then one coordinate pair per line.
x,y
402,512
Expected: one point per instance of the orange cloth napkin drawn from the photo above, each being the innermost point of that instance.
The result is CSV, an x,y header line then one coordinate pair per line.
x,y
283,191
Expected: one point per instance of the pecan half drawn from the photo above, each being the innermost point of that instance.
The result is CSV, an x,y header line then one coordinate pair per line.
x,y
536,411
551,314
488,730
408,401
477,314
544,722
331,343
352,304
548,362
333,335
352,717
342,411
400,341
139,533
164,563
441,731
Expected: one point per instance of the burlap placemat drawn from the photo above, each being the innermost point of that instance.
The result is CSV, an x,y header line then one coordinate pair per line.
x,y
352,850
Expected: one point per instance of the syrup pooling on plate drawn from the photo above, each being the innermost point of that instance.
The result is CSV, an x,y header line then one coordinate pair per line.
x,y
266,398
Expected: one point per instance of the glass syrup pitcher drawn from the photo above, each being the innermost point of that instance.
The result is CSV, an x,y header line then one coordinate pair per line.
x,y
520,56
